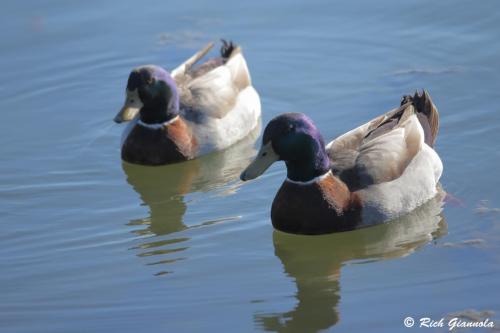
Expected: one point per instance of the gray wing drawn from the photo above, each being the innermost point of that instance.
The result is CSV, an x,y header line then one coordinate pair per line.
x,y
377,151
211,89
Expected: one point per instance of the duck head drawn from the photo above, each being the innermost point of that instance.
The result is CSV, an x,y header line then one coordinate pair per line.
x,y
292,138
152,92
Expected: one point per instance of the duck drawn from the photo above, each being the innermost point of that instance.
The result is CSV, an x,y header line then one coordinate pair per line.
x,y
188,112
372,174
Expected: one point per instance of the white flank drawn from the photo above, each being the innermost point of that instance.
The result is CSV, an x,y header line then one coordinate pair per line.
x,y
417,184
219,133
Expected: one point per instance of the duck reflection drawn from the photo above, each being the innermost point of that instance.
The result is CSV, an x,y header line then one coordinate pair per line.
x,y
315,262
163,190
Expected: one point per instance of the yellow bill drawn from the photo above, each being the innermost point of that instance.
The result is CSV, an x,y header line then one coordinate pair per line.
x,y
130,108
261,163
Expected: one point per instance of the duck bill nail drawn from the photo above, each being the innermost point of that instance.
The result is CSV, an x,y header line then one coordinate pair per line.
x,y
265,158
118,119
125,114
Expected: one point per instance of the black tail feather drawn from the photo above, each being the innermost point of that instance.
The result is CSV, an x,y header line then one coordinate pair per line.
x,y
424,106
227,48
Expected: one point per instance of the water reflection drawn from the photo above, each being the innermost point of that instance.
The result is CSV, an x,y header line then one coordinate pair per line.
x,y
163,190
315,263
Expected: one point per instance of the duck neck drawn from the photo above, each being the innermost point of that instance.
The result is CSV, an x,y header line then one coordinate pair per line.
x,y
158,111
307,168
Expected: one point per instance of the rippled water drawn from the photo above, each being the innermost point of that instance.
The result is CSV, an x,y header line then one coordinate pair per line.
x,y
90,244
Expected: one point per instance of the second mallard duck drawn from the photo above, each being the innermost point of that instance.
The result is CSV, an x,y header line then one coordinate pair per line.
x,y
372,174
190,112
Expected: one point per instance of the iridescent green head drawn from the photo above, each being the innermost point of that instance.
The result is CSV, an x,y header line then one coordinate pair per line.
x,y
151,91
292,138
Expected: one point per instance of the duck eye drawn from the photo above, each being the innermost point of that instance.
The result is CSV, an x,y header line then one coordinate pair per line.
x,y
131,101
264,154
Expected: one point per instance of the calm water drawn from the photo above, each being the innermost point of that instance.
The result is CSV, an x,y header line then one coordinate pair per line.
x,y
89,244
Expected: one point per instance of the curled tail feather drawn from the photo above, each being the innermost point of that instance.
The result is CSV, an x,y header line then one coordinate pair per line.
x,y
427,114
228,49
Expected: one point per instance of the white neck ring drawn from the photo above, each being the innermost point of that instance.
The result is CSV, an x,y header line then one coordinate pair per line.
x,y
312,181
157,125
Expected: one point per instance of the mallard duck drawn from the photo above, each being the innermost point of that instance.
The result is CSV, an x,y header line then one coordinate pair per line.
x,y
190,112
372,174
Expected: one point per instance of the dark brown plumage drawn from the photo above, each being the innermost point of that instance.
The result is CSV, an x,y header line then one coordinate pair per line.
x,y
322,207
169,144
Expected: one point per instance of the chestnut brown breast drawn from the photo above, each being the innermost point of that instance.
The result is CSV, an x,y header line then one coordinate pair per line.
x,y
322,207
170,144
